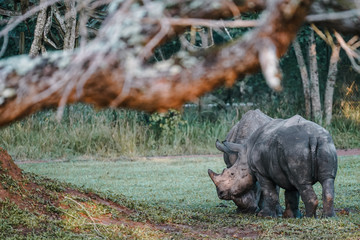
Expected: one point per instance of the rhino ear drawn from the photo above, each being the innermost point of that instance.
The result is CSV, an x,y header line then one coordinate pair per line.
x,y
234,147
221,147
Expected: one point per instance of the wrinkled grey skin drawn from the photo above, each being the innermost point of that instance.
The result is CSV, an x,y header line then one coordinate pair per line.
x,y
248,124
242,130
293,154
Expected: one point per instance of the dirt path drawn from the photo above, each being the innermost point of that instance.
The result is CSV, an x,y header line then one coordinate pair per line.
x,y
348,152
340,152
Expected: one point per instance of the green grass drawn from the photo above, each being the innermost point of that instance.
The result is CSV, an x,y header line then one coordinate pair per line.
x,y
178,190
84,133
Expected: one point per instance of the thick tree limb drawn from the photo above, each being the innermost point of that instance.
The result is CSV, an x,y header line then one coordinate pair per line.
x,y
109,74
342,16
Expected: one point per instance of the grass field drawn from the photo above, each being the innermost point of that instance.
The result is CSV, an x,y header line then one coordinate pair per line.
x,y
178,190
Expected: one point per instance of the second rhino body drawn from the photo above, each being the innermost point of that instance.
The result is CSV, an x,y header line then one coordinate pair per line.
x,y
250,121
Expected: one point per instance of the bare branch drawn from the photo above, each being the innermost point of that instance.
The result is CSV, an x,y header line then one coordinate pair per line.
x,y
164,30
110,72
270,65
59,19
333,16
25,16
5,12
353,54
320,33
210,23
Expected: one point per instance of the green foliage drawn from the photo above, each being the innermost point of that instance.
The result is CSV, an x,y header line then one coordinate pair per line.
x,y
166,123
84,133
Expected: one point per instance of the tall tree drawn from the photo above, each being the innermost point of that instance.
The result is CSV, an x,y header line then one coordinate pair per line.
x,y
39,31
70,25
349,46
330,82
304,77
314,80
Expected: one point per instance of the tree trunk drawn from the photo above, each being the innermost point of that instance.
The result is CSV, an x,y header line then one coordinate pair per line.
x,y
304,77
314,81
22,43
39,31
330,83
70,25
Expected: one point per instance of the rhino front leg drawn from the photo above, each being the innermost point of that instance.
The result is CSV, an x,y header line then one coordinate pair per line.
x,y
328,197
310,200
292,204
270,197
246,203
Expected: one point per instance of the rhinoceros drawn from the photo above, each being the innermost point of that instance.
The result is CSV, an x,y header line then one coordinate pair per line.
x,y
242,130
293,154
248,124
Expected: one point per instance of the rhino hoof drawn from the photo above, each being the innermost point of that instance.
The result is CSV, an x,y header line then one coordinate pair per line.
x,y
266,214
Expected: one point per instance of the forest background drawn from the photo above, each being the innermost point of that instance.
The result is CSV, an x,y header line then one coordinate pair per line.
x,y
91,133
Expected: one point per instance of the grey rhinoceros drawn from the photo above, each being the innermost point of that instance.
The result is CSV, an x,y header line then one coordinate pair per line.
x,y
293,154
250,121
241,131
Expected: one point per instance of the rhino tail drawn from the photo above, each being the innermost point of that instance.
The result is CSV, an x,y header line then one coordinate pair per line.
x,y
313,145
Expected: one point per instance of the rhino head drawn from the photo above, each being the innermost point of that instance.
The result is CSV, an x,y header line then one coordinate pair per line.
x,y
236,181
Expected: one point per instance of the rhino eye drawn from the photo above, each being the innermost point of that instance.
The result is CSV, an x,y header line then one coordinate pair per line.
x,y
232,174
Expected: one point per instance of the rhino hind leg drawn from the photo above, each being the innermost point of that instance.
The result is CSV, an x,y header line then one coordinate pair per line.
x,y
310,200
292,204
328,197
279,209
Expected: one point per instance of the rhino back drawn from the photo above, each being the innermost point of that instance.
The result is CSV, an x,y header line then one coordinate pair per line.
x,y
282,148
242,130
248,124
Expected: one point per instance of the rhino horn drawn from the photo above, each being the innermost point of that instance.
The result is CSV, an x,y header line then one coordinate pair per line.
x,y
233,147
221,147
213,176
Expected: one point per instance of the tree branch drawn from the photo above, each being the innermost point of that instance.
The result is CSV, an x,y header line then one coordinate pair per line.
x,y
110,72
9,13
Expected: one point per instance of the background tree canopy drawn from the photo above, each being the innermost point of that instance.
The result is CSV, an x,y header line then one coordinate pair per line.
x,y
156,55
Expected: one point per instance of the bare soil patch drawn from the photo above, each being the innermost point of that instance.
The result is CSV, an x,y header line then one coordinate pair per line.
x,y
348,152
340,152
